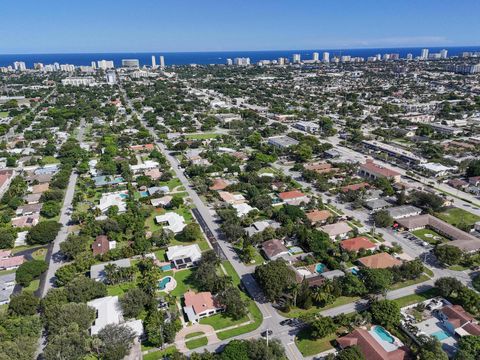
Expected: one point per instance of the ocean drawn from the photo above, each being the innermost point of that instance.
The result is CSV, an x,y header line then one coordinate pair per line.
x,y
217,57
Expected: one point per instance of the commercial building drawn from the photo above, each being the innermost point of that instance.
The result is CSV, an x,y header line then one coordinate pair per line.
x,y
130,63
424,55
162,61
316,56
326,57
282,141
374,171
296,58
105,64
307,126
79,81
400,154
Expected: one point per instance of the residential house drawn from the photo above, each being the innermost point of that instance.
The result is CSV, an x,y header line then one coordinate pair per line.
x,y
274,249
337,230
357,243
40,188
318,217
109,312
184,256
153,174
142,147
7,284
28,209
354,187
243,209
260,226
26,220
113,199
105,180
171,221
200,305
219,184
11,262
320,168
102,245
161,202
230,198
379,261
372,347
97,271
458,321
293,197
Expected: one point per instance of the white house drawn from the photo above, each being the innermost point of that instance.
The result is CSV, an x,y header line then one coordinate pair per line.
x,y
184,256
171,221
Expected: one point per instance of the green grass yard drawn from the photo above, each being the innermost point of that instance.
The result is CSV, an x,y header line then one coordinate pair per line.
x,y
119,289
194,334
160,354
3,114
193,344
221,321
308,346
422,278
457,217
416,298
184,280
341,300
46,160
424,235
202,136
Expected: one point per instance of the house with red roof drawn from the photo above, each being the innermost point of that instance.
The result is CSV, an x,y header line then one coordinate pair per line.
x,y
458,321
379,261
354,187
142,147
372,347
318,217
200,305
293,197
357,243
9,263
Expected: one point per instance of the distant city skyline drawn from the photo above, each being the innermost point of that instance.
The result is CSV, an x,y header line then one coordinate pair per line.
x,y
30,27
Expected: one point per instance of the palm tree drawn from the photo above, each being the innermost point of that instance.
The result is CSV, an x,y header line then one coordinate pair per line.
x,y
294,289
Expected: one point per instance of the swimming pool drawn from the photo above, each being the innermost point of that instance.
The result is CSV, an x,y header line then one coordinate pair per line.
x,y
163,283
124,196
384,334
143,193
441,335
166,267
320,268
354,271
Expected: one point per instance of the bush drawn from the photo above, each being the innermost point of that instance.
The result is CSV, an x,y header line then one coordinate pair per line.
x,y
43,233
29,271
7,238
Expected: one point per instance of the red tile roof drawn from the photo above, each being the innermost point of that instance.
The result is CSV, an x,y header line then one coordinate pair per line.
x,y
357,243
318,215
288,195
371,167
101,245
203,301
142,147
355,187
11,262
369,347
458,317
379,261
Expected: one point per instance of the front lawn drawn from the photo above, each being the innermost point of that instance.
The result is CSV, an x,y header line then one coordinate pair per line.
x,y
201,136
193,344
194,334
308,346
416,298
341,300
160,354
422,278
221,321
458,217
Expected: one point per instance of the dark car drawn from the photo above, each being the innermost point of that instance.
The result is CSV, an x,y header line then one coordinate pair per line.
x,y
266,332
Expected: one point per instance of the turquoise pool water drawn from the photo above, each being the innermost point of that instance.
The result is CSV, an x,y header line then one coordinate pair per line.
x,y
166,267
319,268
163,283
124,196
441,335
143,193
384,335
354,271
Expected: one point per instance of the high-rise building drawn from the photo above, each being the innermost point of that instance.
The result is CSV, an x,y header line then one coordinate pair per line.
x,y
229,62
94,65
443,53
162,62
326,57
281,61
244,61
19,66
38,66
67,67
130,63
409,56
316,56
154,62
111,77
296,58
424,55
105,64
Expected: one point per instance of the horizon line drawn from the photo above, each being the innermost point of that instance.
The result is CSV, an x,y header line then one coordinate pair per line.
x,y
233,51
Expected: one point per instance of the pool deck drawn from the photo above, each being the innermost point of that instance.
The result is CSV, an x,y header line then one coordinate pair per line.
x,y
389,347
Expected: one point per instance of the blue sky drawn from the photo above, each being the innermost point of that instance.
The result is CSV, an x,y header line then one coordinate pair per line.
x,y
49,26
